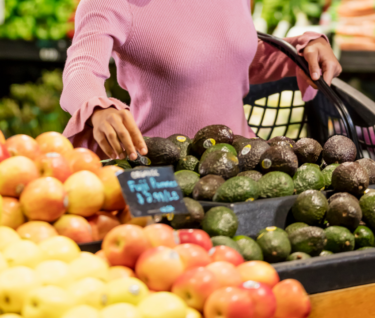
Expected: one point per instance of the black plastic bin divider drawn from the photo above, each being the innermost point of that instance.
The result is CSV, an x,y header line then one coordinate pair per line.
x,y
91,247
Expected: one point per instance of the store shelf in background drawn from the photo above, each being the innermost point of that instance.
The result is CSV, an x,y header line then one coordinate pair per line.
x,y
358,61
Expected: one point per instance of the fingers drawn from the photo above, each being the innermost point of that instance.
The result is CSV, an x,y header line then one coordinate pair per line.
x,y
103,144
134,132
312,58
306,78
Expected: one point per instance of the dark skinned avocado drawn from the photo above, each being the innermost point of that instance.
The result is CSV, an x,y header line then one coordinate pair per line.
x,y
220,221
308,177
310,240
162,151
367,204
339,149
276,184
250,152
220,163
369,166
363,237
238,137
350,177
344,211
187,163
181,141
340,195
339,239
298,256
307,150
186,180
191,220
252,174
282,141
275,246
295,226
279,158
219,147
237,189
206,187
210,136
327,174
140,161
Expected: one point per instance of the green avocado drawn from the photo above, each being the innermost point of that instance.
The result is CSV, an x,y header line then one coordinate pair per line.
x,y
350,177
220,221
250,249
162,151
220,163
325,253
365,248
237,189
310,240
327,174
308,178
363,237
252,174
339,149
187,180
226,241
298,256
307,150
339,239
275,246
367,204
187,163
279,158
206,187
182,142
272,229
295,226
191,220
276,184
219,147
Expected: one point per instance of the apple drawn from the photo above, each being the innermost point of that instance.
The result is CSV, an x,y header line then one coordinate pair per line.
x,y
53,142
258,271
15,174
160,235
23,145
54,165
163,305
36,231
23,253
125,218
3,263
44,199
4,154
80,159
159,268
195,286
54,272
226,254
87,291
121,310
60,248
7,237
101,254
2,138
11,316
85,193
15,284
193,255
117,272
75,227
292,300
192,313
263,298
47,301
226,273
113,198
195,236
124,244
101,223
82,311
230,302
12,215
88,265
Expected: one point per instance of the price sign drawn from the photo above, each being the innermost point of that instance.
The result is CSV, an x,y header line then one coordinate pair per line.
x,y
152,191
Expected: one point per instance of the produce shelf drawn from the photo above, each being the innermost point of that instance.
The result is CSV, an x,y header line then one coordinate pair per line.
x,y
358,61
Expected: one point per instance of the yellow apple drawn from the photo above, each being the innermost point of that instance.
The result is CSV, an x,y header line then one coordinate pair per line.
x,y
36,231
163,305
82,311
55,273
121,310
87,291
11,215
7,236
191,313
15,284
3,263
23,252
60,248
116,272
47,301
89,265
10,316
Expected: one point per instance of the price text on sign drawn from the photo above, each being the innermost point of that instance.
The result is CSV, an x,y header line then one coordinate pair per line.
x,y
152,191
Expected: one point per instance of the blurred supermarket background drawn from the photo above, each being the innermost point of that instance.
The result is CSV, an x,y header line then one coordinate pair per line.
x,y
35,34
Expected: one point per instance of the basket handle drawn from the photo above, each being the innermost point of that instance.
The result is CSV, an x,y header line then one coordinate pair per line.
x,y
292,53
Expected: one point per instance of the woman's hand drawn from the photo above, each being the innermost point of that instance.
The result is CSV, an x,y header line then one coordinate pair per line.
x,y
115,130
319,56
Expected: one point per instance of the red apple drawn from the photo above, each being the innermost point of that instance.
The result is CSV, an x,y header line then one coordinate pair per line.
x,y
226,254
292,300
23,145
193,255
4,154
44,199
259,271
124,244
229,302
53,164
160,235
36,231
159,267
198,237
12,213
101,254
101,223
263,298
75,227
15,174
83,159
195,286
226,273
2,138
53,142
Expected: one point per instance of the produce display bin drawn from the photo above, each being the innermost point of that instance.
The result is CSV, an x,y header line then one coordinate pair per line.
x,y
91,247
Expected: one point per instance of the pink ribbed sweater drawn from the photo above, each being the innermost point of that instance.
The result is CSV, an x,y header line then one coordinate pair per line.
x,y
186,64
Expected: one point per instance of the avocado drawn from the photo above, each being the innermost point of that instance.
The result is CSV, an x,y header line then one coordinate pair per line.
x,y
344,211
341,195
187,180
307,150
339,239
295,226
210,136
122,163
226,241
238,137
369,166
249,152
162,151
276,184
220,221
187,163
308,178
339,149
206,187
142,161
250,249
363,237
279,158
252,174
367,204
282,141
145,137
365,248
310,240
275,246
181,141
219,147
223,164
325,253
310,165
298,256
310,207
350,177
237,189
327,174
191,220
272,229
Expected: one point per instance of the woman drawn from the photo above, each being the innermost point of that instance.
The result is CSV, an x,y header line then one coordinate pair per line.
x,y
186,65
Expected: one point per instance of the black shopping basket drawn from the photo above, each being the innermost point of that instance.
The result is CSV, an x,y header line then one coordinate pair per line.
x,y
276,108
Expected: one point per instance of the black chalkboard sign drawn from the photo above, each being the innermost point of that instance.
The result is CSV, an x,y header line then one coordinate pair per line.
x,y
152,191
